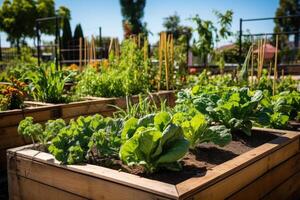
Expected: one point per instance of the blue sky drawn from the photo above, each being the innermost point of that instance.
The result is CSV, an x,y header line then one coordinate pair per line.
x,y
107,14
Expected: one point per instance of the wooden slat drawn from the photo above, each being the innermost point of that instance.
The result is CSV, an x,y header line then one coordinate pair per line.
x,y
287,190
270,180
88,186
33,190
233,175
40,114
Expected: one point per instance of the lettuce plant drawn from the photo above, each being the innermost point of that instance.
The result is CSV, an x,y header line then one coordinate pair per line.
x,y
237,110
197,130
153,142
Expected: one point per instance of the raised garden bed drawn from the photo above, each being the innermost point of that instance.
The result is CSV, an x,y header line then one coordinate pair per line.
x,y
41,112
9,121
94,105
266,165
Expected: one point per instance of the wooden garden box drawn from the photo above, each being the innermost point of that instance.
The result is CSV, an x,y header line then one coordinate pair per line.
x,y
269,171
103,106
42,112
9,121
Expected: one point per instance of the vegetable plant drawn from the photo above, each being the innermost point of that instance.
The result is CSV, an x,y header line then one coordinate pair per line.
x,y
47,84
197,130
153,142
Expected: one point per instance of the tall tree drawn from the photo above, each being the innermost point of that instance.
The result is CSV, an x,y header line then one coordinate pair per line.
x,y
66,39
132,12
209,34
78,33
17,19
172,25
286,8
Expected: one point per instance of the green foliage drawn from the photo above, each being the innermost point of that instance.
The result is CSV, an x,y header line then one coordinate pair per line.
x,y
153,142
47,84
72,143
144,107
28,129
106,140
208,34
17,18
132,12
126,75
196,130
66,40
36,132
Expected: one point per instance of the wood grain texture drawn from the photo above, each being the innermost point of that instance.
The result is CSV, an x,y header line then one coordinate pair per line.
x,y
264,184
233,175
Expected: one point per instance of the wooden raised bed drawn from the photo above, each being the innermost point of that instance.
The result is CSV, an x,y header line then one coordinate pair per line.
x,y
42,112
267,171
103,105
9,121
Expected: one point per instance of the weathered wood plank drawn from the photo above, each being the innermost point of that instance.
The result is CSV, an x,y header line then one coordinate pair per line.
x,y
290,189
233,175
88,186
263,185
33,190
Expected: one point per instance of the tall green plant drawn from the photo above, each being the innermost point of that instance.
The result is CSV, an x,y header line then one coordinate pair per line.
x,y
47,84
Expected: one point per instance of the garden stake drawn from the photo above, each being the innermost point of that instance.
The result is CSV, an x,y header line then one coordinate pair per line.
x,y
166,45
80,55
275,66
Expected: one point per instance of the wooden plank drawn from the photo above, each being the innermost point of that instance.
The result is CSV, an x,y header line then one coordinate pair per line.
x,y
233,175
88,186
270,180
290,189
33,190
39,114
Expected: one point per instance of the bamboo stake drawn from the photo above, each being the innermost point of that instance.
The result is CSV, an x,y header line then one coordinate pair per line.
x,y
258,58
80,53
172,60
275,66
160,60
270,70
94,48
117,49
252,68
85,47
166,60
110,45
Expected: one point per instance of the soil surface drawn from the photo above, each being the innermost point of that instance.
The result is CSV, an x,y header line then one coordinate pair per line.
x,y
197,161
203,158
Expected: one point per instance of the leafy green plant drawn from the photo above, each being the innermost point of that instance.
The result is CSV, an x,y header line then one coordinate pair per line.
x,y
74,142
47,84
36,132
235,111
143,107
124,75
197,130
153,142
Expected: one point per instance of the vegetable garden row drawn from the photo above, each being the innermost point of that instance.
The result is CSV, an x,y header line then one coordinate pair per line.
x,y
224,136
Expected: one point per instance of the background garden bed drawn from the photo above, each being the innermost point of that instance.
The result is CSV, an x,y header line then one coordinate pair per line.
x,y
270,169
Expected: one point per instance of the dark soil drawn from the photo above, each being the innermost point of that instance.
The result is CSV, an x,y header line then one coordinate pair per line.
x,y
201,159
197,161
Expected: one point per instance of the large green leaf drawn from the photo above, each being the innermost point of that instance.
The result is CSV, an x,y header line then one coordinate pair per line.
x,y
130,127
177,149
161,120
